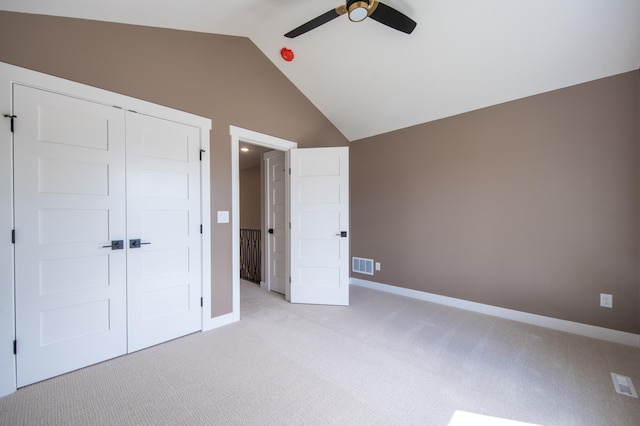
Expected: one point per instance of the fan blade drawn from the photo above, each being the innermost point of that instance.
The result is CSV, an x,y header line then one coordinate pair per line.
x,y
316,22
392,18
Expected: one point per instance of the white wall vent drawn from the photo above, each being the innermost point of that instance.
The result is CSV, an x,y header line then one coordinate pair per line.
x,y
623,385
362,266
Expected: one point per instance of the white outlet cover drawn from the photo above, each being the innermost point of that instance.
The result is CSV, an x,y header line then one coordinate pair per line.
x,y
606,300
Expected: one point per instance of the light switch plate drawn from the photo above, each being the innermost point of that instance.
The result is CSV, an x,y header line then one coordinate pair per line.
x,y
223,216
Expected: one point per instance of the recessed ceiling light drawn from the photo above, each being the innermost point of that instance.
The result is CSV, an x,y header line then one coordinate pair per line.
x,y
244,149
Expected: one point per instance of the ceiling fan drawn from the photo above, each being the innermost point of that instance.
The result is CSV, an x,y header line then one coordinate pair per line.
x,y
357,11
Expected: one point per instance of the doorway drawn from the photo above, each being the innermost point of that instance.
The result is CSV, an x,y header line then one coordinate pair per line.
x,y
263,217
264,142
316,185
252,235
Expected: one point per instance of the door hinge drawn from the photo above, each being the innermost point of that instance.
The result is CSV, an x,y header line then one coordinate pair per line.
x,y
289,170
201,228
15,347
201,302
12,117
13,236
289,280
201,152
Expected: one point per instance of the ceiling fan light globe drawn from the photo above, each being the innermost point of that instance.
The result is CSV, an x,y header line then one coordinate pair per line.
x,y
358,11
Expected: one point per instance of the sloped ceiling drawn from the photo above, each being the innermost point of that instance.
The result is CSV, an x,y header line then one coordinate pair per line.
x,y
369,79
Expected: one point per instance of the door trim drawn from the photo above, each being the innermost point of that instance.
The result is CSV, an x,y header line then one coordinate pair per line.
x,y
10,74
7,314
249,136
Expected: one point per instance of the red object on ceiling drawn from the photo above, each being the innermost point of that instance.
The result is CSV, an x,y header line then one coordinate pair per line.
x,y
287,54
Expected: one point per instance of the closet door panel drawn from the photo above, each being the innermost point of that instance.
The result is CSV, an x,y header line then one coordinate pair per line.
x,y
69,188
163,213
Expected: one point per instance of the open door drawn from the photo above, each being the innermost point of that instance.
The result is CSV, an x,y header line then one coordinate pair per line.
x,y
275,195
320,226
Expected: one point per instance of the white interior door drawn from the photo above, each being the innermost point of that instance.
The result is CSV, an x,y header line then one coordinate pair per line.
x,y
69,182
320,225
163,214
275,199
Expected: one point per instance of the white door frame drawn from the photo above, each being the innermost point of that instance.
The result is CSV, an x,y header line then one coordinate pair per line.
x,y
10,74
7,315
249,136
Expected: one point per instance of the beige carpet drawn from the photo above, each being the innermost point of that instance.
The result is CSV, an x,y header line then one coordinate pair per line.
x,y
383,360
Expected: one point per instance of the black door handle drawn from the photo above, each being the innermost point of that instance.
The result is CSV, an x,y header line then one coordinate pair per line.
x,y
115,245
270,230
136,243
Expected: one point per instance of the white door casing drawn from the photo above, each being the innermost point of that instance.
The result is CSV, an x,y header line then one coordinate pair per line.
x,y
320,226
163,230
275,218
69,206
7,318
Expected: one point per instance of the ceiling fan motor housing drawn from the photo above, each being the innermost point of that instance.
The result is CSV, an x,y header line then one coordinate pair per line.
x,y
358,10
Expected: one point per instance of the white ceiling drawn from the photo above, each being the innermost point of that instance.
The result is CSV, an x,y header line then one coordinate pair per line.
x,y
369,79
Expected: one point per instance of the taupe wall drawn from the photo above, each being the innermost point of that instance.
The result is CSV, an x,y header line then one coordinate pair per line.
x,y
250,198
224,78
531,205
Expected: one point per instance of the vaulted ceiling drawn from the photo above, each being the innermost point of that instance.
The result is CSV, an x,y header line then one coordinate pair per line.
x,y
369,79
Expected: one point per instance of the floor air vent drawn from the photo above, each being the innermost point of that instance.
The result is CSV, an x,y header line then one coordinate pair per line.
x,y
623,385
362,266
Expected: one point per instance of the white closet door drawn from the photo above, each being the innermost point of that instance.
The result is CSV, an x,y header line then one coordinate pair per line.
x,y
69,203
163,212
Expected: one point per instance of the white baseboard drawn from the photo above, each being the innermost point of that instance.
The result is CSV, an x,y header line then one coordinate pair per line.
x,y
220,321
593,331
